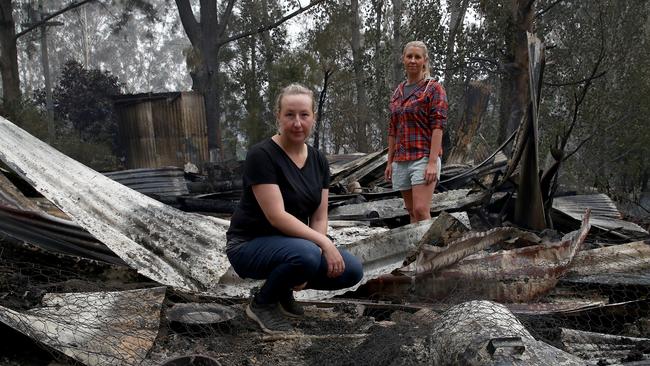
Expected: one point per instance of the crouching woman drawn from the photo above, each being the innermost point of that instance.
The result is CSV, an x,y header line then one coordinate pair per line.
x,y
278,231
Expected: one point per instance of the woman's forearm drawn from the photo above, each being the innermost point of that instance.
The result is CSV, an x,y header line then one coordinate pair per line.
x,y
436,144
391,149
318,221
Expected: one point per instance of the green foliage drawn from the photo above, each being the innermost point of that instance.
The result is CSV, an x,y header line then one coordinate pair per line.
x,y
425,24
27,116
82,99
97,155
32,119
86,123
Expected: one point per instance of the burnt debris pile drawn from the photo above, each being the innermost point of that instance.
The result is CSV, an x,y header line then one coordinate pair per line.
x,y
128,268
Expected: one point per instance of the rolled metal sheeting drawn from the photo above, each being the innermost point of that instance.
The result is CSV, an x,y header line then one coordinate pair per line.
x,y
167,181
52,233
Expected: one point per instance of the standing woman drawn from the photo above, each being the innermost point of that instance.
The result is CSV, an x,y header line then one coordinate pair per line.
x,y
418,115
278,231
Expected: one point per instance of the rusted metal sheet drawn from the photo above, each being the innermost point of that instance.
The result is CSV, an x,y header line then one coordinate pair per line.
x,y
455,200
487,333
605,348
163,129
432,258
165,181
605,215
444,229
616,281
507,276
517,275
172,247
94,328
625,258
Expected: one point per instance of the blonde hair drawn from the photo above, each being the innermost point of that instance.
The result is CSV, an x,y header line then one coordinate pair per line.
x,y
419,44
294,89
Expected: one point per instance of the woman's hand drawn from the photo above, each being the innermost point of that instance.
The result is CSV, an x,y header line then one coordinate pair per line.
x,y
431,171
388,173
335,263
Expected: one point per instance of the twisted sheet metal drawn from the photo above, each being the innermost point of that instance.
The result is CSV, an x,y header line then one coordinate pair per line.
x,y
165,181
169,246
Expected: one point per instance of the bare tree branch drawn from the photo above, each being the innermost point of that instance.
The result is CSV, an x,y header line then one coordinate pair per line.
x,y
221,29
55,14
567,156
587,79
601,132
190,24
272,25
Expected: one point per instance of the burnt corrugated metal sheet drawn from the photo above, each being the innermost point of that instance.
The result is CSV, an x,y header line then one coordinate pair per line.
x,y
54,234
166,129
604,213
172,247
167,181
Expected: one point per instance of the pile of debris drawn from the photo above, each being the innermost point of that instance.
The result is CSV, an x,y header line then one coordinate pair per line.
x,y
101,274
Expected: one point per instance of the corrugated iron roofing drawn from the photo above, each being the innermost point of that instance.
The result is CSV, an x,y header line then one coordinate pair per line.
x,y
158,130
604,214
167,181
53,233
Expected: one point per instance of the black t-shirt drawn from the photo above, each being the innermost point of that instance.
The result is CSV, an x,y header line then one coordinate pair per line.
x,y
301,188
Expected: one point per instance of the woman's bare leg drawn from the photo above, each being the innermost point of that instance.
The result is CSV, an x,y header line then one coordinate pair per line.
x,y
408,204
421,200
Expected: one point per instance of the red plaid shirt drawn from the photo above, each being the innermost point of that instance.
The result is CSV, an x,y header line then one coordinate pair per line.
x,y
414,117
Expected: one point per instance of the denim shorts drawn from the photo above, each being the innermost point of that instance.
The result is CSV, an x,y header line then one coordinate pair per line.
x,y
407,174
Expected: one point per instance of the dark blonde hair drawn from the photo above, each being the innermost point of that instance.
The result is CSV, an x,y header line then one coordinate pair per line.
x,y
294,89
419,44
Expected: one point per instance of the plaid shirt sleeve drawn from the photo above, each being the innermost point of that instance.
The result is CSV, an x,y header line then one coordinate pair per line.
x,y
438,107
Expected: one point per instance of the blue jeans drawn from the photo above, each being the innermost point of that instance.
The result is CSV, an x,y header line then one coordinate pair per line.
x,y
286,262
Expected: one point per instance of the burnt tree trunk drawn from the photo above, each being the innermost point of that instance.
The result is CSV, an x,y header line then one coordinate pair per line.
x,y
529,207
207,36
361,116
321,112
476,101
398,71
458,8
8,54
